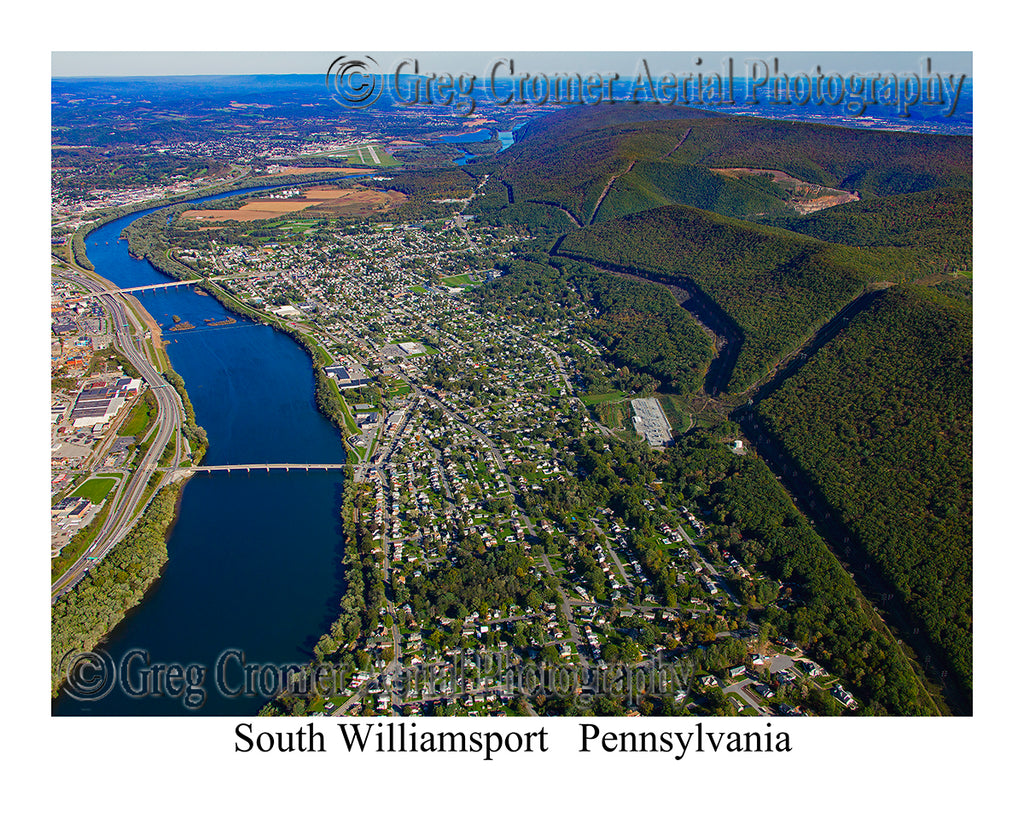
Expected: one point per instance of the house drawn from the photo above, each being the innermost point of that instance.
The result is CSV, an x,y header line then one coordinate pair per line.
x,y
811,668
844,696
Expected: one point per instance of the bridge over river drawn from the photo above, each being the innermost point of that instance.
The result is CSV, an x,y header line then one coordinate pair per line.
x,y
142,288
190,470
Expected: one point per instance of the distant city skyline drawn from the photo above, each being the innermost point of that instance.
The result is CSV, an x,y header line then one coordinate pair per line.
x,y
198,63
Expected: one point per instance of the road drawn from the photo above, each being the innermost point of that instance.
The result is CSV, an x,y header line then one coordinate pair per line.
x,y
129,340
142,288
711,570
740,690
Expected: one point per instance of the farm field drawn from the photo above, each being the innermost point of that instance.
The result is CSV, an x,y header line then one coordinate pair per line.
x,y
326,200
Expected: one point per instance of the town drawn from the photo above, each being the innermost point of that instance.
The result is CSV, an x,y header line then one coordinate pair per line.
x,y
459,423
542,467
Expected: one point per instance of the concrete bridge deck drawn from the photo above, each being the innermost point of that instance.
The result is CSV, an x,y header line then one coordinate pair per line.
x,y
265,467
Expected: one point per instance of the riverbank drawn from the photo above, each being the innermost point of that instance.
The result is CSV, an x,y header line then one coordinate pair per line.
x,y
327,400
85,614
81,619
76,246
236,574
341,644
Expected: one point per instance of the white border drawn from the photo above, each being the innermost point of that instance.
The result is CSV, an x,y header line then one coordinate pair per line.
x,y
933,767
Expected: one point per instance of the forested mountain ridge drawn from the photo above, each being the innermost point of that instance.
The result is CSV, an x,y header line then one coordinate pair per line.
x,y
936,223
777,286
568,158
877,414
632,188
881,421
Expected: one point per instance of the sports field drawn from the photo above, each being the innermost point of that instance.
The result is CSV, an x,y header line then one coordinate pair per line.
x,y
95,489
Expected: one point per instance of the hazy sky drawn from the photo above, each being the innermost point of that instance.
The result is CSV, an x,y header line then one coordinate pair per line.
x,y
151,63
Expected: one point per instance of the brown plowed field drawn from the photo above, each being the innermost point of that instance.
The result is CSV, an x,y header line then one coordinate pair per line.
x,y
325,200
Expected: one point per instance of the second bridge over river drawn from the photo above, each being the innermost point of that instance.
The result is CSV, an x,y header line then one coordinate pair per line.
x,y
189,470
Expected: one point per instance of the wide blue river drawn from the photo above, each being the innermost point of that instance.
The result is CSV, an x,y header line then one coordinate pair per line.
x,y
254,566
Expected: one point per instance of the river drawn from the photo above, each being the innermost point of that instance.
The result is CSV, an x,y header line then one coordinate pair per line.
x,y
506,138
254,559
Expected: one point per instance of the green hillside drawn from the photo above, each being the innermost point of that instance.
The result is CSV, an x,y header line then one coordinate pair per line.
x,y
778,287
938,221
569,158
640,323
651,184
880,421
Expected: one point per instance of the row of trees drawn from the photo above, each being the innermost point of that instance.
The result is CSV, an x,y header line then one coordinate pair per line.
x,y
83,616
194,434
360,605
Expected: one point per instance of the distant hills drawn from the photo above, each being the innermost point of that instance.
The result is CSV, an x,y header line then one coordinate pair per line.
x,y
632,188
567,158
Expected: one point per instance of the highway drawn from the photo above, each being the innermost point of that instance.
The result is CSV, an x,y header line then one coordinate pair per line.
x,y
129,340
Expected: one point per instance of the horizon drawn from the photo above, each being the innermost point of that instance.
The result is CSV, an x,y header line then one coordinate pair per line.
x,y
127,65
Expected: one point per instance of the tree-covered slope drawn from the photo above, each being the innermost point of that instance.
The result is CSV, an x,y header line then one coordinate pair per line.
x,y
570,157
938,222
823,610
651,184
777,286
641,324
881,420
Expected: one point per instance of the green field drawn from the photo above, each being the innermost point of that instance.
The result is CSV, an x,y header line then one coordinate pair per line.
x,y
462,280
602,398
397,388
297,224
140,418
95,489
677,410
427,349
